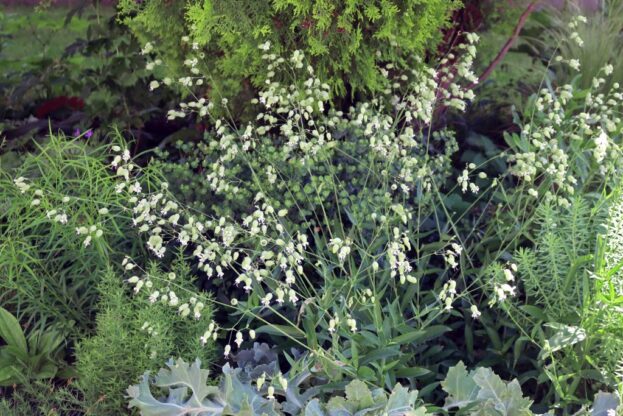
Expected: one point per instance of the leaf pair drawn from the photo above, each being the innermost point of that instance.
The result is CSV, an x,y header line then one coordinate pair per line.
x,y
23,358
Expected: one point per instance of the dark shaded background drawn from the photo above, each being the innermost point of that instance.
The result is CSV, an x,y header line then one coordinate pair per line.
x,y
53,2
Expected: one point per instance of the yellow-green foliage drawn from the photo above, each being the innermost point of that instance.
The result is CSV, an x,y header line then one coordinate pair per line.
x,y
344,40
133,335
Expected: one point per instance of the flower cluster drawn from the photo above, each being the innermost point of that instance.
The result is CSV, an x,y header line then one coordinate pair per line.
x,y
294,169
571,134
501,280
56,208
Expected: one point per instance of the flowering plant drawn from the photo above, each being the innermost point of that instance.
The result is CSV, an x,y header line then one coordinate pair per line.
x,y
326,228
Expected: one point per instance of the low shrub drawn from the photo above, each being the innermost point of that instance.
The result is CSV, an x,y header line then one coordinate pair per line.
x,y
345,42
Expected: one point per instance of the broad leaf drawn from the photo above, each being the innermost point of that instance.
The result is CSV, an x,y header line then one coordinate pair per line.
x,y
604,402
188,393
360,400
506,398
482,393
11,332
460,386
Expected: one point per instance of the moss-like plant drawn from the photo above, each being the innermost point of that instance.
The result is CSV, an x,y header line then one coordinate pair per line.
x,y
132,335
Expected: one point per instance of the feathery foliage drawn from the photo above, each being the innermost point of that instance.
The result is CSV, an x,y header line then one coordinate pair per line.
x,y
346,41
132,335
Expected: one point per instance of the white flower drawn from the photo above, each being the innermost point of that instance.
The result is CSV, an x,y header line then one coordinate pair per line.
x,y
266,299
260,381
283,382
227,350
574,63
173,299
352,324
475,312
184,310
154,296
601,147
608,69
239,339
343,253
147,49
575,36
61,218
19,182
509,275
332,323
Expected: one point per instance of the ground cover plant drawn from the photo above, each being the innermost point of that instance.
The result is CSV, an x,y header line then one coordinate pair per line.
x,y
325,232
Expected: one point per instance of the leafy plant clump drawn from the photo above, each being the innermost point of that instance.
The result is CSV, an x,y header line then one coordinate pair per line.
x,y
183,391
334,253
188,393
61,227
39,355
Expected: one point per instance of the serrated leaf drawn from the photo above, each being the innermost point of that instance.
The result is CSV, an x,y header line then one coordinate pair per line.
x,y
313,408
188,393
181,374
506,398
401,401
483,393
339,406
357,391
360,400
460,386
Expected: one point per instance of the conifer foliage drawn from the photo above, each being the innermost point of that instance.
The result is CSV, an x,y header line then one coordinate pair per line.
x,y
345,40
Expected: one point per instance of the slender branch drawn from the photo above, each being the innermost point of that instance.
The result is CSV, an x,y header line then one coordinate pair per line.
x,y
500,56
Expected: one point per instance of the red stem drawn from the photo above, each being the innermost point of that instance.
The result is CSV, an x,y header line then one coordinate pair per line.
x,y
520,24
